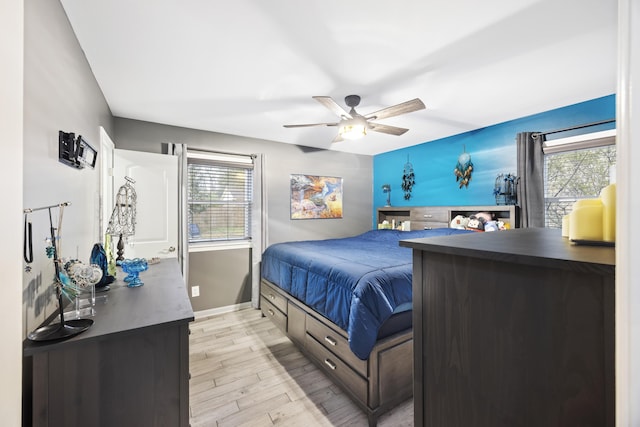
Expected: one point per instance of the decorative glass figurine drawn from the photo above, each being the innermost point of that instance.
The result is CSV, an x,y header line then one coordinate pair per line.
x,y
79,278
133,268
99,257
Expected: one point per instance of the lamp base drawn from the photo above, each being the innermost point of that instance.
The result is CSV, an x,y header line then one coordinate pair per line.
x,y
120,247
58,331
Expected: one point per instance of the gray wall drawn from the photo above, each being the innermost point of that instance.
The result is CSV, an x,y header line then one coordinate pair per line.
x,y
281,160
60,93
223,275
11,62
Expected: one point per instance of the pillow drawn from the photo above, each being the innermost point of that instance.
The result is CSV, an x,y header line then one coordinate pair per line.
x,y
491,226
459,222
486,216
476,223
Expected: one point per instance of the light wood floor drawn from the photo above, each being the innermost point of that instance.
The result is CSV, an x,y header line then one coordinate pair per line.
x,y
245,372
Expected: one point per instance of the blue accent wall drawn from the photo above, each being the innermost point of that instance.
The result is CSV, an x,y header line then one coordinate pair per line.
x,y
492,150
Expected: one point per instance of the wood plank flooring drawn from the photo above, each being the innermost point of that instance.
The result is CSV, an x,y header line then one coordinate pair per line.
x,y
245,372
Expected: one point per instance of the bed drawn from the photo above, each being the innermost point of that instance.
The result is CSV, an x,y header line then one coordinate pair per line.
x,y
347,304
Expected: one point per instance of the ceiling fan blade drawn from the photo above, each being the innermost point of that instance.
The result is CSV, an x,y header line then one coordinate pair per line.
x,y
310,124
391,130
396,110
328,102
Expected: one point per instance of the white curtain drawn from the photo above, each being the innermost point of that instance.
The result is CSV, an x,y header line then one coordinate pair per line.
x,y
180,150
258,227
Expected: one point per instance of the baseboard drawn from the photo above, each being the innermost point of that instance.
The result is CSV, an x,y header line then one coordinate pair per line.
x,y
221,310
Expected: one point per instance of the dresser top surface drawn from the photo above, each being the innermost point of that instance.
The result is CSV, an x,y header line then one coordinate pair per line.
x,y
538,246
162,300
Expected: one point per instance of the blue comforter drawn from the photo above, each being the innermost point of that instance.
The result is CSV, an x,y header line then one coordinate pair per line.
x,y
356,282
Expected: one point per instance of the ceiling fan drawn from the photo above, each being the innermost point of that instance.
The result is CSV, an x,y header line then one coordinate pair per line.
x,y
353,125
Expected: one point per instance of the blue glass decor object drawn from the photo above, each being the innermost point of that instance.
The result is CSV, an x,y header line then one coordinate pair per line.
x,y
99,258
133,268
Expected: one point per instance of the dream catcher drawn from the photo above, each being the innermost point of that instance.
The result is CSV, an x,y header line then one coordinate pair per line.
x,y
463,169
408,179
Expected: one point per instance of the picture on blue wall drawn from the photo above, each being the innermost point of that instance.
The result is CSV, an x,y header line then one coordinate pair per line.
x,y
316,197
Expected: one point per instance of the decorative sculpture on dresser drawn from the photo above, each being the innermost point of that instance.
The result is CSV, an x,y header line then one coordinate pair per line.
x,y
123,218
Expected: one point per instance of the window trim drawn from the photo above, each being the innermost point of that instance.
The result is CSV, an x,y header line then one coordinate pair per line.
x,y
580,142
219,245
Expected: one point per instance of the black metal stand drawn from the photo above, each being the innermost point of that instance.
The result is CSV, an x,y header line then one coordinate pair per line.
x,y
66,328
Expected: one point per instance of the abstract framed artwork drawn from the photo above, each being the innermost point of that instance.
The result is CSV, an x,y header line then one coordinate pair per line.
x,y
315,197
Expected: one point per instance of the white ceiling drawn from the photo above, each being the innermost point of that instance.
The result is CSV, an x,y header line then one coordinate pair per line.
x,y
247,67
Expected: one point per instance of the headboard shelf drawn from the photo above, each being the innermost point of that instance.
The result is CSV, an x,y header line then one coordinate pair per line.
x,y
426,217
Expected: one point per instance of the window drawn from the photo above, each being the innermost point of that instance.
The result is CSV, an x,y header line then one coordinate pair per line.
x,y
220,193
576,168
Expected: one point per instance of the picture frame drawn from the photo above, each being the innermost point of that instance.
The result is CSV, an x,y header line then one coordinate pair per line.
x,y
315,197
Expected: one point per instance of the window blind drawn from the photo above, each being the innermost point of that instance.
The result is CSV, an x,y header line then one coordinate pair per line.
x,y
220,194
576,168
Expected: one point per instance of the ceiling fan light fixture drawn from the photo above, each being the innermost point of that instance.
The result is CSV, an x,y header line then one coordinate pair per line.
x,y
352,131
354,128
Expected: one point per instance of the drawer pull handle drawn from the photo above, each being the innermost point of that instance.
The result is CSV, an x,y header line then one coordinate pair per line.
x,y
273,297
271,313
427,228
428,216
331,341
330,364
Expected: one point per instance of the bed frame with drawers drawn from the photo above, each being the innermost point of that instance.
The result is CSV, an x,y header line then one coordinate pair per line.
x,y
385,379
376,384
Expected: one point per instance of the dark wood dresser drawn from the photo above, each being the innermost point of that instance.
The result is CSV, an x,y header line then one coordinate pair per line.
x,y
130,368
513,328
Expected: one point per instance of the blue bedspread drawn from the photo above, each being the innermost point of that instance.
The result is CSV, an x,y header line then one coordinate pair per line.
x,y
356,282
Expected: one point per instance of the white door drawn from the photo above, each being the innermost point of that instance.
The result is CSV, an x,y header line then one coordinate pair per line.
x,y
106,182
156,186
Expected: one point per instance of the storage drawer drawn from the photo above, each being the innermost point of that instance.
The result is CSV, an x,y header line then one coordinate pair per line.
x,y
276,316
273,296
428,225
430,214
336,343
337,369
296,323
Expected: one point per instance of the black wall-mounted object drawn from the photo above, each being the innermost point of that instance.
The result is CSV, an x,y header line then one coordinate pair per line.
x,y
75,152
